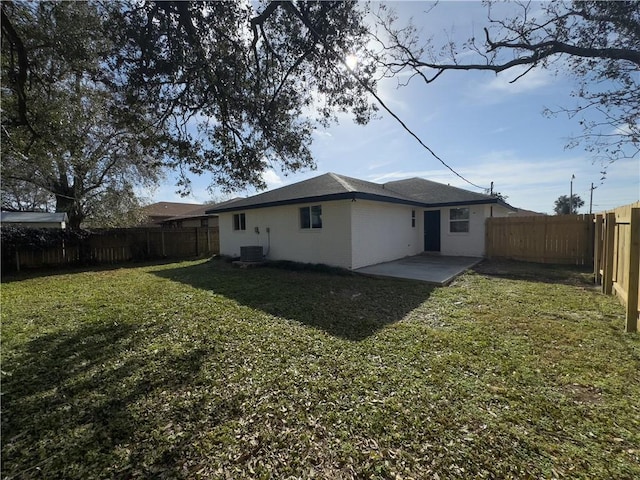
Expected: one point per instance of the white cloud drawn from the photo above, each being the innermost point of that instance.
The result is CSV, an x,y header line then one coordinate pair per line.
x,y
535,183
272,179
533,80
500,87
322,133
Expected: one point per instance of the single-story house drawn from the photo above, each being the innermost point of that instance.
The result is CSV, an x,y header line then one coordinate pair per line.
x,y
193,218
521,212
352,223
160,212
197,217
35,219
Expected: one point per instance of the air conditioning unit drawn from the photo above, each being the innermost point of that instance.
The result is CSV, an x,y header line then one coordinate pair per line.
x,y
251,253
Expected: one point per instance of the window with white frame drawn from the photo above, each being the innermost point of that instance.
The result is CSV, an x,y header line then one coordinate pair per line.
x,y
239,221
311,217
459,220
413,218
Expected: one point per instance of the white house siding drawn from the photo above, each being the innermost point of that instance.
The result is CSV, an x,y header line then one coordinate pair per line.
x,y
56,225
382,232
472,243
330,244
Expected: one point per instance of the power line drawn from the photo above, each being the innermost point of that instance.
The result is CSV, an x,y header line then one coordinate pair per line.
x,y
378,99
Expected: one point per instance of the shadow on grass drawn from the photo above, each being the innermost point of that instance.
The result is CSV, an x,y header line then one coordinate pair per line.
x,y
76,399
537,272
341,303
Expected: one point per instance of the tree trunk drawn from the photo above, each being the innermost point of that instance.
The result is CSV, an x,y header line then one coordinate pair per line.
x,y
69,205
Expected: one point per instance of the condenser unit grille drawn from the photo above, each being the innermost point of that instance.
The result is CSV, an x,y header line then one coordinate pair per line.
x,y
252,253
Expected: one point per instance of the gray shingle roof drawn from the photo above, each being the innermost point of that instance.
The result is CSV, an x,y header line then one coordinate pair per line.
x,y
170,209
434,193
331,186
200,211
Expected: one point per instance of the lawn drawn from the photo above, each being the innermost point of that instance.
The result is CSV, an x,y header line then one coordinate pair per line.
x,y
200,370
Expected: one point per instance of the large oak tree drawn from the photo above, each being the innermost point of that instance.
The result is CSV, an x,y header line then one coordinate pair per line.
x,y
65,130
224,88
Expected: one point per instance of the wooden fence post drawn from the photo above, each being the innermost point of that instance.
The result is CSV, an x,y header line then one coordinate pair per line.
x,y
634,272
607,257
597,249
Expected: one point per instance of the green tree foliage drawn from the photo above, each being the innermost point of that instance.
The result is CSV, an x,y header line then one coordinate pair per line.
x,y
100,96
65,130
116,210
597,43
21,196
562,206
242,88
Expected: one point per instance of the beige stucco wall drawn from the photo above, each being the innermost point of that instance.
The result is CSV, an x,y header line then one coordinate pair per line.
x,y
330,244
382,232
471,243
354,234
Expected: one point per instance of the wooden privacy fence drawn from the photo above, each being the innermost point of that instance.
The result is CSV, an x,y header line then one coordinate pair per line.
x,y
118,245
564,239
616,260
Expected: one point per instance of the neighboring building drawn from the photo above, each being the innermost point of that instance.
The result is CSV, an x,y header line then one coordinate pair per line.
x,y
351,223
160,212
196,217
521,212
35,219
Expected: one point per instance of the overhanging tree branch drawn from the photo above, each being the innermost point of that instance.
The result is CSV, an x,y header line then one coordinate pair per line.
x,y
600,42
20,76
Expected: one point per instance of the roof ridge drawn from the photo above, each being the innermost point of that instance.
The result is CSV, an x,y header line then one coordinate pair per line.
x,y
342,181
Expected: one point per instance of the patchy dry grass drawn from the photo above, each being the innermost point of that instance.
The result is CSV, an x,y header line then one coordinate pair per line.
x,y
198,370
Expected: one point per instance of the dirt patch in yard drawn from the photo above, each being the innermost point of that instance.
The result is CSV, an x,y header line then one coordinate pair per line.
x,y
583,393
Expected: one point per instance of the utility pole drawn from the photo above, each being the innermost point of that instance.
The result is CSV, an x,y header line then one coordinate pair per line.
x,y
491,208
571,195
591,199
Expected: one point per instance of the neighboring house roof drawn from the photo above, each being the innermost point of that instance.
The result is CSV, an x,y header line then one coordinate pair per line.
x,y
33,217
521,212
200,211
170,209
332,186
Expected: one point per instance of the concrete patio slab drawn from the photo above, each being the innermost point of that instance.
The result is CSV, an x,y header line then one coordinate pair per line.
x,y
435,269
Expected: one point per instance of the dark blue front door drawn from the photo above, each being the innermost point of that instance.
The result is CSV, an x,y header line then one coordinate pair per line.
x,y
432,231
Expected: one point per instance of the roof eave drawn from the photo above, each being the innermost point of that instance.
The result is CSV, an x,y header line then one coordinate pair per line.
x,y
463,203
358,196
318,198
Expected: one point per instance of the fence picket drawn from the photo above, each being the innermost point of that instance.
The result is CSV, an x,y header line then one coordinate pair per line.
x,y
618,257
565,239
121,245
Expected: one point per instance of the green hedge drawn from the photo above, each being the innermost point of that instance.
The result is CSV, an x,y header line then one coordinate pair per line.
x,y
12,237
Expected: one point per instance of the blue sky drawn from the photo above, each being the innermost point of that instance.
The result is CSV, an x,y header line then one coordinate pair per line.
x,y
481,125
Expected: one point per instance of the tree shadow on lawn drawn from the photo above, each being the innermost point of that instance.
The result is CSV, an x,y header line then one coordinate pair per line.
x,y
341,303
576,275
76,404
